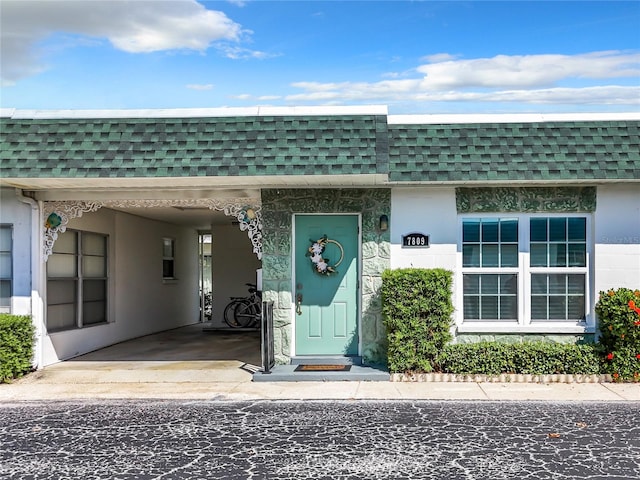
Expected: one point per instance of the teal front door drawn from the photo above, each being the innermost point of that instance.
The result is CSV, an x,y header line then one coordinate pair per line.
x,y
326,284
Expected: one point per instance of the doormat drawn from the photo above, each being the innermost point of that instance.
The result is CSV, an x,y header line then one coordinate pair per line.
x,y
322,368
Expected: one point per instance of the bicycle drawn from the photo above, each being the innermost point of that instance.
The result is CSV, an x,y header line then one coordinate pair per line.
x,y
244,312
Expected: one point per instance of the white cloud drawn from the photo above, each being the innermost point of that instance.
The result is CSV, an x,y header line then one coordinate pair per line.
x,y
196,86
533,79
131,26
527,70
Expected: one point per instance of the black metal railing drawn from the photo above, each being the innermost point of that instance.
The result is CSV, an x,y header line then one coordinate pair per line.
x,y
268,354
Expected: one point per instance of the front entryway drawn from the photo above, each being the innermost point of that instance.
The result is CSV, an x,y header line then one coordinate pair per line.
x,y
326,284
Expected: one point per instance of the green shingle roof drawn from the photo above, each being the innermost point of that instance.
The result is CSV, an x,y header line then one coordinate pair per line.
x,y
246,146
187,147
491,152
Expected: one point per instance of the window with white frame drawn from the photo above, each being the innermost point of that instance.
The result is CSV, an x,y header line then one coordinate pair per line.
x,y
6,268
524,269
168,259
77,278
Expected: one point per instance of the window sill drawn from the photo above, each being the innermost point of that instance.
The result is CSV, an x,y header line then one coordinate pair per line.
x,y
169,281
548,328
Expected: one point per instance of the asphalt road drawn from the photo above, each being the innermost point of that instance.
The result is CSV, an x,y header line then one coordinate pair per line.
x,y
320,440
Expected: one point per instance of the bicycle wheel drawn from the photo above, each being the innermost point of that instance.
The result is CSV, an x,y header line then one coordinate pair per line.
x,y
246,314
230,312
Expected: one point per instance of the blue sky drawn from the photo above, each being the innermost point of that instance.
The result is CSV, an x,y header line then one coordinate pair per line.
x,y
414,56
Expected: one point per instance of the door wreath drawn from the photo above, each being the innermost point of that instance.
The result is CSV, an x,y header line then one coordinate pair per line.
x,y
320,264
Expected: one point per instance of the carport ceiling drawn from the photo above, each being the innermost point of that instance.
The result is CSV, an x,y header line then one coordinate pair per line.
x,y
200,218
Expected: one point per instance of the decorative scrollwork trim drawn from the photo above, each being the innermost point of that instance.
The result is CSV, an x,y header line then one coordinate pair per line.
x,y
248,212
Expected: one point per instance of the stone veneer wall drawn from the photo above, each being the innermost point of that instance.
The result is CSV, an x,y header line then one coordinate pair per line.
x,y
524,337
278,207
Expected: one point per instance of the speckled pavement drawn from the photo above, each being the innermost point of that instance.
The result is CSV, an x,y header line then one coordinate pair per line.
x,y
319,440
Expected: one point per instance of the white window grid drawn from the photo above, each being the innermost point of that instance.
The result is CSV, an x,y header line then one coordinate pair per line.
x,y
524,324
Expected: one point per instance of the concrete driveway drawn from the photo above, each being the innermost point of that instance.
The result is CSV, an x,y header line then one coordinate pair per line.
x,y
184,355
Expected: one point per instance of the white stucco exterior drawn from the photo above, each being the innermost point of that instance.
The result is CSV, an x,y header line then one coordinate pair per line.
x,y
19,216
617,237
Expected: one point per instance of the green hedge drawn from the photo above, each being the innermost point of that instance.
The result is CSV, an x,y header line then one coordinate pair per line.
x,y
16,346
619,322
537,358
417,308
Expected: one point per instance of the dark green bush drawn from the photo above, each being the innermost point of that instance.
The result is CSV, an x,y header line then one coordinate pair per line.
x,y
619,322
16,346
538,358
417,308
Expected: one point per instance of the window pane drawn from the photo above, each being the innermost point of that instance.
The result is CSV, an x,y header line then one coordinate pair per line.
x,y
61,265
167,247
490,230
5,238
489,255
61,291
575,284
577,229
557,308
94,267
489,308
167,268
509,256
538,228
471,308
93,312
538,256
509,308
509,231
557,255
576,307
5,295
557,230
5,264
471,231
577,255
94,244
539,284
489,284
93,290
471,284
471,255
509,284
66,243
60,317
557,284
538,308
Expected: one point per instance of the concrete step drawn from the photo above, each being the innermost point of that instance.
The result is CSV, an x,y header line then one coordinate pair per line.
x,y
357,373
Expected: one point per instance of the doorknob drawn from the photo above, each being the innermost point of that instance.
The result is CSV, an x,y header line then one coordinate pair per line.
x,y
298,304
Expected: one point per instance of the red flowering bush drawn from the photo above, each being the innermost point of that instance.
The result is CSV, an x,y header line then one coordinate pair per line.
x,y
619,319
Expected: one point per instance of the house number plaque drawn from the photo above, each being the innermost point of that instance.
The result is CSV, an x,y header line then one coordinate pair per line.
x,y
415,240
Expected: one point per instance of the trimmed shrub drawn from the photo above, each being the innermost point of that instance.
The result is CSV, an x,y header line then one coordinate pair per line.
x,y
619,322
417,308
537,358
16,346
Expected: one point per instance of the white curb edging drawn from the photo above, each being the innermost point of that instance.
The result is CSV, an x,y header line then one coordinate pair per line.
x,y
503,378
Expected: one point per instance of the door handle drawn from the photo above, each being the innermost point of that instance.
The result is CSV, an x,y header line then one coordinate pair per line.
x,y
299,304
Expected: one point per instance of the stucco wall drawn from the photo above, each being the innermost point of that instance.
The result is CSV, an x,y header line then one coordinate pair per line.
x,y
617,237
278,207
18,215
234,264
140,302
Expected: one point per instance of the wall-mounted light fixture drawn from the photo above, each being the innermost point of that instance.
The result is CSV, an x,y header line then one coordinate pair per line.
x,y
384,223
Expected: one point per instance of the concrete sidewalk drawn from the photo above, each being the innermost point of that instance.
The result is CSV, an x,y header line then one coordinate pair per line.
x,y
165,382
